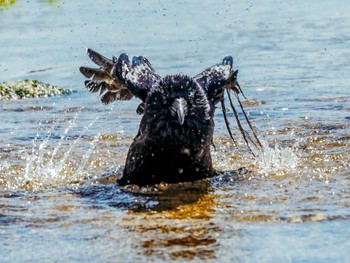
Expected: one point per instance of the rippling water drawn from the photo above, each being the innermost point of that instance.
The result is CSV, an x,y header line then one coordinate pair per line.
x,y
58,156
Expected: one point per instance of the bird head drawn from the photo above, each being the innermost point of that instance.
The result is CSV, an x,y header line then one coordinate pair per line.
x,y
179,98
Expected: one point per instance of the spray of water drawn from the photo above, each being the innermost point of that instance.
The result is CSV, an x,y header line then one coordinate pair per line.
x,y
272,158
50,162
61,153
276,160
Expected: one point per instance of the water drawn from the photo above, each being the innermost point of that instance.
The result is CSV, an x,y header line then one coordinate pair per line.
x,y
58,201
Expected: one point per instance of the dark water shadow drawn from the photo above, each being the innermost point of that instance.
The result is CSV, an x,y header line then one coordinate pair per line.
x,y
157,198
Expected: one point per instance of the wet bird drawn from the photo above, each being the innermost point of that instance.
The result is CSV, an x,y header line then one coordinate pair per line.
x,y
176,130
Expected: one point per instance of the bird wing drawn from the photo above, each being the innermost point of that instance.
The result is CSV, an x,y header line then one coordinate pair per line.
x,y
217,78
214,81
116,79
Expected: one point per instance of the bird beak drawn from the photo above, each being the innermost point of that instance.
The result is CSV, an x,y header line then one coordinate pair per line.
x,y
179,110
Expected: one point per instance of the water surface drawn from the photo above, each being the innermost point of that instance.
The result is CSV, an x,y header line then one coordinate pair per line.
x,y
58,201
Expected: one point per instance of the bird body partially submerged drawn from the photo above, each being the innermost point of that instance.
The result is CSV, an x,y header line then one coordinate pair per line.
x,y
173,143
176,130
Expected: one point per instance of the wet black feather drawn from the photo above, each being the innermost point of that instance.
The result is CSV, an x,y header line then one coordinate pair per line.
x,y
177,126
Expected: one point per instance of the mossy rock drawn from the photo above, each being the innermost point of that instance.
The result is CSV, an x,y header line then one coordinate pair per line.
x,y
7,2
29,89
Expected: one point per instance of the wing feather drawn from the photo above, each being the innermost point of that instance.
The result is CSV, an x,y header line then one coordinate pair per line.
x,y
94,73
109,97
100,60
214,81
96,86
117,79
217,75
141,78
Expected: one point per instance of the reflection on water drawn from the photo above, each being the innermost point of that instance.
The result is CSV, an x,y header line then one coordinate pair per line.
x,y
60,157
159,223
186,232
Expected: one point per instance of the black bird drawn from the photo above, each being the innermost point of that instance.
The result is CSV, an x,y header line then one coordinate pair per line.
x,y
176,130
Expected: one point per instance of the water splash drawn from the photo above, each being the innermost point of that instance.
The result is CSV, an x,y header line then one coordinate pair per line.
x,y
275,159
51,162
65,150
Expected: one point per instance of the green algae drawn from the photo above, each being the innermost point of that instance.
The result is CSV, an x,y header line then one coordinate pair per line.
x,y
29,89
7,2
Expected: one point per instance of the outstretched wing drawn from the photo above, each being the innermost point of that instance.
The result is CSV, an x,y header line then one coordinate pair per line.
x,y
116,79
217,78
222,77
